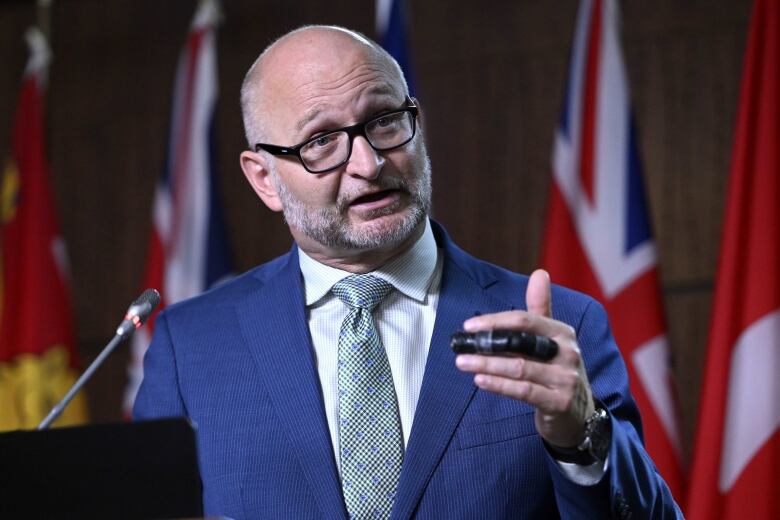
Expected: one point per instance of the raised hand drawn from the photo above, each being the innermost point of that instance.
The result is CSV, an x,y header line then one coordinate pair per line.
x,y
559,389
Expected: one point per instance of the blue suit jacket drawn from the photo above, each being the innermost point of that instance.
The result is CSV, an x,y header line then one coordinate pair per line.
x,y
239,362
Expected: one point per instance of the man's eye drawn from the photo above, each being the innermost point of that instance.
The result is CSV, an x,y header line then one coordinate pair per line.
x,y
389,121
323,140
386,121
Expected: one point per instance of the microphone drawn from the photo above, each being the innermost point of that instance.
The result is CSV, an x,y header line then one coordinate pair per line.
x,y
138,312
504,343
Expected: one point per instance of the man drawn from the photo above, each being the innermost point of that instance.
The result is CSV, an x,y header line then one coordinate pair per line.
x,y
321,394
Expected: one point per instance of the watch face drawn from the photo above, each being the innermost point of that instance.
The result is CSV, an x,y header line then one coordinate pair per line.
x,y
598,430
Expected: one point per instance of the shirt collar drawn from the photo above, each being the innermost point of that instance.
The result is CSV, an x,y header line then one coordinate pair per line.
x,y
410,272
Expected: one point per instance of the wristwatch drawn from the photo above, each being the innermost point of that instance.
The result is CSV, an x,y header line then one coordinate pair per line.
x,y
594,447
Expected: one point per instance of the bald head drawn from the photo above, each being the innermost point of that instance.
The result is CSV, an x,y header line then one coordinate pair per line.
x,y
315,55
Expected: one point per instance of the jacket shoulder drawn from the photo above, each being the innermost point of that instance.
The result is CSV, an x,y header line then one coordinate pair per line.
x,y
234,289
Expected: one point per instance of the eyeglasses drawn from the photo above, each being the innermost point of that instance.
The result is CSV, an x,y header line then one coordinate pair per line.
x,y
328,151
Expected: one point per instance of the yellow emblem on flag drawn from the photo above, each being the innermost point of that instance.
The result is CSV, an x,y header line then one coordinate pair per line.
x,y
32,384
9,192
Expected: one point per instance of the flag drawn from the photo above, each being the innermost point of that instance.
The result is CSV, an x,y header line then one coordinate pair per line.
x,y
736,464
188,250
391,32
598,238
37,342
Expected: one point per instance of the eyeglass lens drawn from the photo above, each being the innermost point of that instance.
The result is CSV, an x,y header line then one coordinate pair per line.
x,y
383,133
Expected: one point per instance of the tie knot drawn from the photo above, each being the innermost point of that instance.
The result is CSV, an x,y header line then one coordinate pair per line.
x,y
362,290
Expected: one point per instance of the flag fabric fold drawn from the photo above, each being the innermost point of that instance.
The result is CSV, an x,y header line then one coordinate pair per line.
x,y
736,464
392,35
188,250
597,237
38,361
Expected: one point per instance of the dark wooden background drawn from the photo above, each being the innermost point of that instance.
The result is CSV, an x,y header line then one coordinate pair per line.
x,y
490,78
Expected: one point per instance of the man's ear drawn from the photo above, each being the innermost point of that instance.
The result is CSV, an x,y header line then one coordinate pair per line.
x,y
420,114
257,172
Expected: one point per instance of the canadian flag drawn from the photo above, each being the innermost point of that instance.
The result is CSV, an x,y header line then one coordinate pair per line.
x,y
597,237
736,465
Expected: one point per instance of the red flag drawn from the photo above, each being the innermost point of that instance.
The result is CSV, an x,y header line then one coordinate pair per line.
x,y
597,238
37,355
736,465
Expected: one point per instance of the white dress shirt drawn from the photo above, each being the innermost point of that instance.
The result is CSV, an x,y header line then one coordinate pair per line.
x,y
404,320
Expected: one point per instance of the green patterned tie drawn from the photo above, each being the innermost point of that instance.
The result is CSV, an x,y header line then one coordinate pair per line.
x,y
369,426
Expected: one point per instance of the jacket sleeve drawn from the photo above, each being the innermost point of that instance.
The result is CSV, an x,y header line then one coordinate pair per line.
x,y
631,486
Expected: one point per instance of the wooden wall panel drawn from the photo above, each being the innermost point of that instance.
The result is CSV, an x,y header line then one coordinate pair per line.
x,y
490,77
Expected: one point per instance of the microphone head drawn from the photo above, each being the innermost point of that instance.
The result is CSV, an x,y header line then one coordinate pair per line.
x,y
142,307
150,296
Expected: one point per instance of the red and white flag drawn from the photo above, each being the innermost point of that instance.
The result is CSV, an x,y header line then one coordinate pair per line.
x,y
188,250
736,465
597,238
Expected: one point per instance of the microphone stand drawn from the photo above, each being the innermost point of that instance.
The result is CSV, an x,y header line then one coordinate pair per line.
x,y
59,407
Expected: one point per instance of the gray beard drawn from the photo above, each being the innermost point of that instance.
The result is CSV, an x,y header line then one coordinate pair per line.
x,y
331,227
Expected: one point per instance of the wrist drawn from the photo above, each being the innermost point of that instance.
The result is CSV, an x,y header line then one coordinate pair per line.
x,y
596,440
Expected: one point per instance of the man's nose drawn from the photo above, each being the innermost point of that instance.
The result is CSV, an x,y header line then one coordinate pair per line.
x,y
364,160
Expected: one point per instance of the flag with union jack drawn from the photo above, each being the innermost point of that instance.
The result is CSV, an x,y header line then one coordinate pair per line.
x,y
598,238
188,251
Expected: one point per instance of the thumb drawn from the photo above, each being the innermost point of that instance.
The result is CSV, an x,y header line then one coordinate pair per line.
x,y
537,295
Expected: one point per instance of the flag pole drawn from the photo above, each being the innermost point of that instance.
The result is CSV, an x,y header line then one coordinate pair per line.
x,y
43,13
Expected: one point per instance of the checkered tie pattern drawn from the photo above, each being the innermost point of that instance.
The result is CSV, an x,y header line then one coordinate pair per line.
x,y
369,426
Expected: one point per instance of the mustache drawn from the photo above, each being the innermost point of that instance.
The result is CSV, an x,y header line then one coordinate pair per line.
x,y
383,183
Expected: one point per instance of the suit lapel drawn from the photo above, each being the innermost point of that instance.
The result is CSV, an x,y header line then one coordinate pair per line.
x,y
274,324
446,391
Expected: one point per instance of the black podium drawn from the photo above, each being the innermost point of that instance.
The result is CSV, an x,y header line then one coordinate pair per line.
x,y
130,470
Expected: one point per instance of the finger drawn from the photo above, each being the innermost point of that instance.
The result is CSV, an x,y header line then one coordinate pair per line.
x,y
537,294
517,368
519,320
539,396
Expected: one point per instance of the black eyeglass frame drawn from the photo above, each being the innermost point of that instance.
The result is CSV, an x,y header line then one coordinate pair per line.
x,y
358,129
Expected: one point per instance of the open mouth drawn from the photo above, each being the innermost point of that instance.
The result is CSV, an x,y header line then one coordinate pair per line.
x,y
372,198
378,203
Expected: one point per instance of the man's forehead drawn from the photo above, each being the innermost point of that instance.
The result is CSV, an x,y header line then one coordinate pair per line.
x,y
321,59
373,97
305,81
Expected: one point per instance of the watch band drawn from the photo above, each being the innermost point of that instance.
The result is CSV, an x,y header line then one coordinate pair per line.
x,y
572,455
594,447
